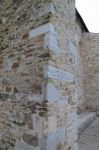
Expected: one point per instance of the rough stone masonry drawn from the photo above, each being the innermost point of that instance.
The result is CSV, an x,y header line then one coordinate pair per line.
x,y
41,79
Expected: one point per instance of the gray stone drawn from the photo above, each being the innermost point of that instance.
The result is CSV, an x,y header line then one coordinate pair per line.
x,y
30,139
41,30
54,73
52,93
55,138
20,145
51,42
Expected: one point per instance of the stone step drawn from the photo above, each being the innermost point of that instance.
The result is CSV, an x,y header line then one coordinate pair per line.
x,y
84,120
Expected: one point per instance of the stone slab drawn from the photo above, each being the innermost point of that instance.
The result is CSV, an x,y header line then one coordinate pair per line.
x,y
54,73
55,138
51,42
72,135
21,145
41,30
52,123
50,36
52,93
73,48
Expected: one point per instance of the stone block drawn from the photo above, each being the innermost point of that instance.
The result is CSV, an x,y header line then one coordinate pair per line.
x,y
21,145
56,74
30,139
41,30
52,123
71,136
38,124
56,137
51,42
52,93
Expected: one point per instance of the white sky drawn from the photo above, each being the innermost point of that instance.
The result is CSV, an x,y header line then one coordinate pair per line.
x,y
89,10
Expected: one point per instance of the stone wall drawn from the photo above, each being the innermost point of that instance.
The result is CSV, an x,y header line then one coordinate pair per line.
x,y
38,56
63,20
79,30
22,106
89,48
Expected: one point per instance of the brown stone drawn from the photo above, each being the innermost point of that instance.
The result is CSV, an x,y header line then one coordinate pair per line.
x,y
36,88
30,139
15,65
15,90
4,96
8,89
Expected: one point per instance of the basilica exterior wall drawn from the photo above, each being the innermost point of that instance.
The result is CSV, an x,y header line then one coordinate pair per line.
x,y
38,68
48,73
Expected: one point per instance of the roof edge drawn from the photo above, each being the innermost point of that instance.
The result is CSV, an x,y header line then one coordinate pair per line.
x,y
82,21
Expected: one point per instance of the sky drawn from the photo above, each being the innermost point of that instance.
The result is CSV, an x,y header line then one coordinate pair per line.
x,y
89,10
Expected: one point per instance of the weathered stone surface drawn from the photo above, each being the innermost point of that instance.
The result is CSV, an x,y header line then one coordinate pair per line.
x,y
20,145
52,93
54,73
55,138
90,137
45,9
30,139
4,96
41,30
90,59
41,79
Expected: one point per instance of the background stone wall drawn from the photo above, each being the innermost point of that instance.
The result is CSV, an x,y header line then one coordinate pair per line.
x,y
79,30
89,48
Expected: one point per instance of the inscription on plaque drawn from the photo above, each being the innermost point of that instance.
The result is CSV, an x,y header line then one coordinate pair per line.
x,y
57,74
